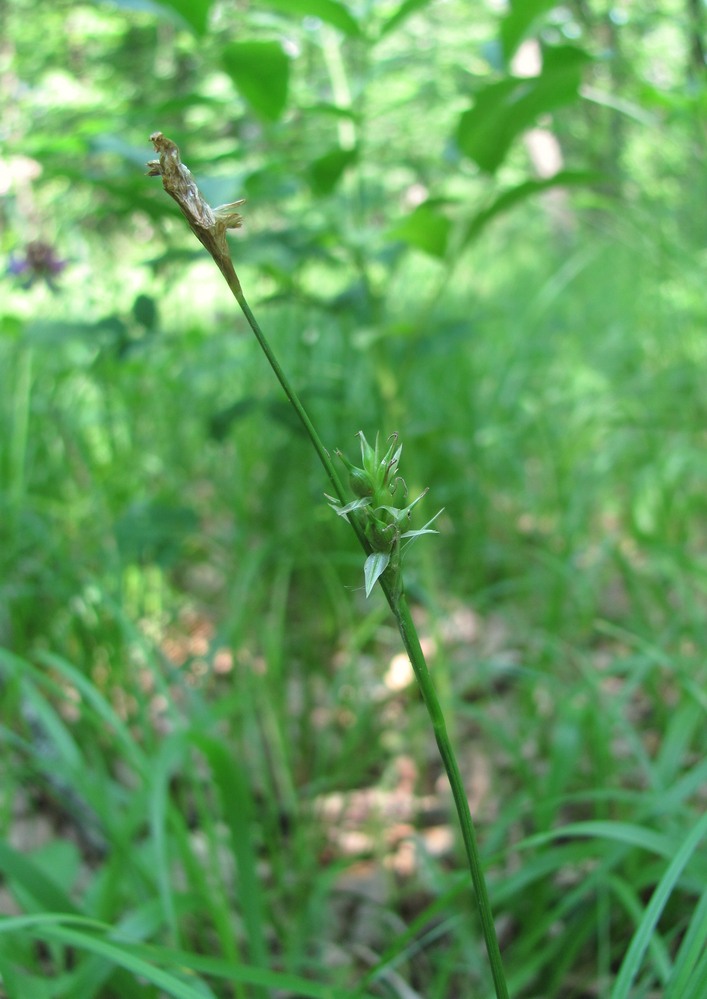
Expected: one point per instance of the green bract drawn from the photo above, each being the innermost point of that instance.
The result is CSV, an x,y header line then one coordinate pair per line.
x,y
374,483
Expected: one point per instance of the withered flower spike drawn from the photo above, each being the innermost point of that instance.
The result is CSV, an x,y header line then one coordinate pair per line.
x,y
208,224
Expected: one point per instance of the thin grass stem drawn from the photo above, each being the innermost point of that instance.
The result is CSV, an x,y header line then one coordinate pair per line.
x,y
210,225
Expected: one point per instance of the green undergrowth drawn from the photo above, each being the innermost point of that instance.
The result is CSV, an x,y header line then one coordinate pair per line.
x,y
201,736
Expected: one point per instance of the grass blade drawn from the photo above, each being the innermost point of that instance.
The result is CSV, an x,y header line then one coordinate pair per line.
x,y
644,931
692,955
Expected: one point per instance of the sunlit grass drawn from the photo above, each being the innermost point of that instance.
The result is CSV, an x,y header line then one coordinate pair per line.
x,y
193,673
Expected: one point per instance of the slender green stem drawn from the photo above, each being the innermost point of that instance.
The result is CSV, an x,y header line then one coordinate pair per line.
x,y
294,399
401,611
210,225
411,642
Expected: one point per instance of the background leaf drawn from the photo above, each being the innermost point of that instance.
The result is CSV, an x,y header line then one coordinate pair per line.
x,y
425,228
194,13
168,565
406,8
261,72
326,172
519,20
329,11
513,196
505,109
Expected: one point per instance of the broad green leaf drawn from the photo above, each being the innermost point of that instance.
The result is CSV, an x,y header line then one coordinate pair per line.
x,y
487,129
375,566
507,199
519,21
505,109
261,72
330,11
426,229
567,58
326,172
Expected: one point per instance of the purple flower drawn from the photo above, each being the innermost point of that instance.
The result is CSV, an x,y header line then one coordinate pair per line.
x,y
40,263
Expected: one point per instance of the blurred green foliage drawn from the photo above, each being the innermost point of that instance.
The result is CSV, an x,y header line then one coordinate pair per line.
x,y
478,224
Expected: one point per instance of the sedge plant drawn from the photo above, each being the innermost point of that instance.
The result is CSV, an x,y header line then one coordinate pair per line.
x,y
378,521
